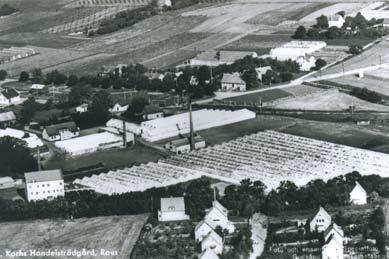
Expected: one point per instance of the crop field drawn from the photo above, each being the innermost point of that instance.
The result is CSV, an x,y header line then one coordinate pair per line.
x,y
93,3
302,90
259,43
373,84
327,100
265,96
113,233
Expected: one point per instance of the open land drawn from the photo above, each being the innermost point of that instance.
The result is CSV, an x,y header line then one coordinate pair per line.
x,y
376,85
114,233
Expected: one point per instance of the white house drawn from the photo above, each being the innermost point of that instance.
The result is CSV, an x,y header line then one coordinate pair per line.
x,y
208,254
7,119
233,82
213,242
152,112
37,87
306,63
117,108
9,96
262,71
172,209
44,185
320,221
194,81
82,108
335,21
182,146
217,215
333,246
61,131
202,229
358,195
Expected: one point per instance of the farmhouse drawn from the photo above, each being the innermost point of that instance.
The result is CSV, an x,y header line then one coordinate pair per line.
x,y
233,82
202,229
91,143
151,112
7,119
335,21
9,96
117,108
320,221
296,49
212,241
358,195
182,146
82,108
333,246
61,131
216,58
217,215
208,254
172,209
44,185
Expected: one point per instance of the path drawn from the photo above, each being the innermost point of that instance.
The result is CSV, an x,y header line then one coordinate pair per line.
x,y
259,234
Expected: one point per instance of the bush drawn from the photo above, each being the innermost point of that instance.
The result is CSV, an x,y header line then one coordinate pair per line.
x,y
355,49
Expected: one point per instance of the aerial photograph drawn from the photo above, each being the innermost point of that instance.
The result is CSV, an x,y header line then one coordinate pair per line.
x,y
194,129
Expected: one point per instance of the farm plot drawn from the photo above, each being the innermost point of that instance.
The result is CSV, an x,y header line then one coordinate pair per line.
x,y
114,233
373,84
93,3
328,101
302,90
265,96
259,43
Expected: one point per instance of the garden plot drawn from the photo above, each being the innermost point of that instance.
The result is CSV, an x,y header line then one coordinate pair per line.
x,y
329,100
232,17
115,233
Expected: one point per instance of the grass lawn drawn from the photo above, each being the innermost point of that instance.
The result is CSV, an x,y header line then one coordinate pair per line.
x,y
266,96
111,158
348,42
113,233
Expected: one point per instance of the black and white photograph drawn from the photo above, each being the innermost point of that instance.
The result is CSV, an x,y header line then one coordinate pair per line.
x,y
194,129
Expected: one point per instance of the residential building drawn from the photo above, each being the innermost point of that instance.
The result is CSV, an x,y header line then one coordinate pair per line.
x,y
333,246
217,215
117,108
296,49
358,195
262,71
202,229
306,62
233,82
9,96
172,209
44,185
194,81
7,119
335,21
38,87
320,221
182,146
82,108
213,242
61,131
208,254
152,112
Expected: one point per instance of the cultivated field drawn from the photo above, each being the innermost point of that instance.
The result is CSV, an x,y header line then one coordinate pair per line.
x,y
93,3
114,233
265,96
379,86
328,101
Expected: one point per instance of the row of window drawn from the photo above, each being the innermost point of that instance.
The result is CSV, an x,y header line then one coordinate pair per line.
x,y
54,191
47,185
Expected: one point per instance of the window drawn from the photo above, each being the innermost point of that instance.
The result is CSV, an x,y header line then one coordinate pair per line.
x,y
172,208
36,193
60,183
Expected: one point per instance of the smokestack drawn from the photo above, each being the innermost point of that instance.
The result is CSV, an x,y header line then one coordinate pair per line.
x,y
191,138
124,135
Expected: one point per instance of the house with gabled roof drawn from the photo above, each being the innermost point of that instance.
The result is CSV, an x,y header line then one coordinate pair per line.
x,y
9,96
172,209
202,229
62,131
213,242
7,119
217,215
335,20
233,82
321,221
208,254
358,195
333,243
44,185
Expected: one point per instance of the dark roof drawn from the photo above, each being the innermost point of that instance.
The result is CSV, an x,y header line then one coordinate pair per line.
x,y
53,130
185,141
149,109
43,176
10,93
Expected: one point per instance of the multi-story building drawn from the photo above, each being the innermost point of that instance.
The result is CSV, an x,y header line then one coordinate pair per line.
x,y
44,185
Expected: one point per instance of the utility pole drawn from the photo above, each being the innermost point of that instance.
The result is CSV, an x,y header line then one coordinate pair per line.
x,y
124,135
191,137
39,158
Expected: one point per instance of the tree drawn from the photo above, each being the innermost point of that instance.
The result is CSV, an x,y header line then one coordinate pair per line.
x,y
333,33
15,158
55,77
24,76
286,76
319,64
3,75
101,102
355,49
203,74
72,80
30,107
79,94
300,33
251,78
135,109
37,76
322,21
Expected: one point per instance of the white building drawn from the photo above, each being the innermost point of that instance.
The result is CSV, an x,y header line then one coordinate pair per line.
x,y
172,209
61,131
321,221
202,229
213,242
182,146
92,143
82,108
217,215
7,119
152,112
306,63
7,183
208,254
333,246
118,109
216,58
37,87
295,49
233,82
44,185
358,195
9,96
262,71
32,140
335,21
